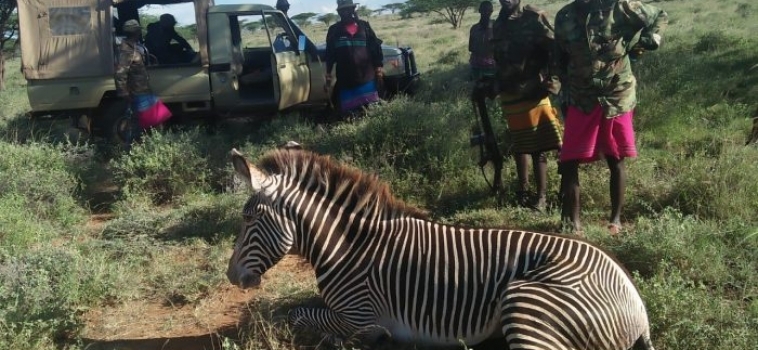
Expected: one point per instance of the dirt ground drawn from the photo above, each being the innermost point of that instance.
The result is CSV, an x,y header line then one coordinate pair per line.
x,y
151,324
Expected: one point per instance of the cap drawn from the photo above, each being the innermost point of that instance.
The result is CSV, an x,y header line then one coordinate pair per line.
x,y
132,26
341,4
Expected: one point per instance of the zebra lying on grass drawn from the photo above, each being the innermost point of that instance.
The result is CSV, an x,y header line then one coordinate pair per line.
x,y
382,264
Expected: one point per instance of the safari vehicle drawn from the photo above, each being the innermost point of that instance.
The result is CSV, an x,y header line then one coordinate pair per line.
x,y
69,48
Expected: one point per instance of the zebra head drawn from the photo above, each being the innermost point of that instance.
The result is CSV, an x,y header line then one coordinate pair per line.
x,y
267,232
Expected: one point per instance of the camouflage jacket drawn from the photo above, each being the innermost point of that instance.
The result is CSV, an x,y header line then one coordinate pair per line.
x,y
479,45
522,43
591,55
131,74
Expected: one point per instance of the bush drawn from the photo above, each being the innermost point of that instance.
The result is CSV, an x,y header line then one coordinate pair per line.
x,y
165,166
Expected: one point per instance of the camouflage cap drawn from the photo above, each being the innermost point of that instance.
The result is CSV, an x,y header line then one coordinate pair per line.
x,y
132,26
341,4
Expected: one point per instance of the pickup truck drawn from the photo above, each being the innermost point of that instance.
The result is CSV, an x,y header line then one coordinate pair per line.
x,y
68,58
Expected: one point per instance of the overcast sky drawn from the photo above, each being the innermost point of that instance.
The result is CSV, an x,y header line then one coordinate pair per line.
x,y
184,13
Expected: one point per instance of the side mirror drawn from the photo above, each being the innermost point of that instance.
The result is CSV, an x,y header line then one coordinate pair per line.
x,y
301,43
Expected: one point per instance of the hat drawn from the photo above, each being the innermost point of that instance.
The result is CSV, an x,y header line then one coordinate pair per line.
x,y
341,4
132,26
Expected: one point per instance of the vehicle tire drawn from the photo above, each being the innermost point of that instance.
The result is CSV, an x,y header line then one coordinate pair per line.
x,y
115,122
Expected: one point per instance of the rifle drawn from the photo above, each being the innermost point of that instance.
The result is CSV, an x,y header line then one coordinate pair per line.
x,y
489,151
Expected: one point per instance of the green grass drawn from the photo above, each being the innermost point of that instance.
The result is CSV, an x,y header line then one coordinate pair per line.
x,y
692,195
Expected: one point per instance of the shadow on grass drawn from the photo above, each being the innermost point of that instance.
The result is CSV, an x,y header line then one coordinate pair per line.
x,y
210,223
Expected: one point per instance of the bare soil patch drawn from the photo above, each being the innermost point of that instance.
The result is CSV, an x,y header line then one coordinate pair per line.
x,y
158,324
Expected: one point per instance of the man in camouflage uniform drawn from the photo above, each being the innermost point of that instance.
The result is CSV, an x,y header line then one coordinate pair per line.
x,y
131,74
594,39
522,43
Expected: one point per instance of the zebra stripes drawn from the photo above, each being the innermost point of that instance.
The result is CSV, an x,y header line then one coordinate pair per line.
x,y
383,268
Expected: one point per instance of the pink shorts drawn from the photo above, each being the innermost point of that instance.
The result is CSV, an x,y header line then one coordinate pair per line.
x,y
589,137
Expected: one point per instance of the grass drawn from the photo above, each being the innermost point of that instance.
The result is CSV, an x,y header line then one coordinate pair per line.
x,y
691,199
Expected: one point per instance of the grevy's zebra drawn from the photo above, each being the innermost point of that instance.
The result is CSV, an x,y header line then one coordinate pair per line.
x,y
381,263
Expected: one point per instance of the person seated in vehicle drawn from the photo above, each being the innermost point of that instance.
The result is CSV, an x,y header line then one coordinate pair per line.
x,y
159,42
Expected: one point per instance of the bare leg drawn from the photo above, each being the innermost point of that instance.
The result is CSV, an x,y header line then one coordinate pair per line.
x,y
570,186
618,187
522,172
539,163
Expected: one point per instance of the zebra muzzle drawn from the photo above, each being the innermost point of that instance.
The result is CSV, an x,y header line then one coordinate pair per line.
x,y
249,280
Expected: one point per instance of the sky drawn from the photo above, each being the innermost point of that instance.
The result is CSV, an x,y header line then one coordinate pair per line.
x,y
184,13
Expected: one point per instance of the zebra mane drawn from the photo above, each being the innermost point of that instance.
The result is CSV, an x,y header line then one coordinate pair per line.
x,y
367,190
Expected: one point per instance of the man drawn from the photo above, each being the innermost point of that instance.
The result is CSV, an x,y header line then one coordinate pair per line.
x,y
158,42
283,5
593,41
522,43
354,47
481,61
131,76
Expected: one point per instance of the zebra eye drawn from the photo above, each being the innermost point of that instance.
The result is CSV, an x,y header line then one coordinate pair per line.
x,y
248,218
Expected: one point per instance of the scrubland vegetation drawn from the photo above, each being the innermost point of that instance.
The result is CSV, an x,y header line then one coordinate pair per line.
x,y
172,205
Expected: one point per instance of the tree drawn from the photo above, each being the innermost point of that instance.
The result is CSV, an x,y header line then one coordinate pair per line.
x,y
302,19
393,7
328,18
451,10
364,12
8,32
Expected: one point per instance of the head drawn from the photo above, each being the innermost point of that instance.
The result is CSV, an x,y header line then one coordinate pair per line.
x,y
346,10
283,5
510,5
266,235
485,9
167,20
132,29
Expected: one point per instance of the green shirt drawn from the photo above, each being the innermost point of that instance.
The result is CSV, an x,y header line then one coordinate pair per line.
x,y
592,49
522,43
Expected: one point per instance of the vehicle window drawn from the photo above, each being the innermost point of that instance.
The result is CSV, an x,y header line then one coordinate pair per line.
x,y
255,35
70,20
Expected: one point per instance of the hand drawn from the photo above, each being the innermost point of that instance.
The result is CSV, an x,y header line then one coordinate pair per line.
x,y
552,85
327,82
379,71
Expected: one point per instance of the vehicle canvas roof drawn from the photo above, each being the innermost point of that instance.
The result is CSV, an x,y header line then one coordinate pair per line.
x,y
71,38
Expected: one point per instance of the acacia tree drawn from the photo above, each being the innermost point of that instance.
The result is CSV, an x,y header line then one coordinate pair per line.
x,y
328,18
364,12
451,10
302,19
393,7
8,32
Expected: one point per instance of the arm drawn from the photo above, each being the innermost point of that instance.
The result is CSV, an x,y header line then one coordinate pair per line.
x,y
182,42
546,44
470,39
375,47
330,54
650,19
122,72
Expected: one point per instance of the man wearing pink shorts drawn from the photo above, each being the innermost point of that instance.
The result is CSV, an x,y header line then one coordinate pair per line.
x,y
593,41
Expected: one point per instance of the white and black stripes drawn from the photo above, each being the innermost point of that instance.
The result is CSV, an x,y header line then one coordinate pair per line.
x,y
378,263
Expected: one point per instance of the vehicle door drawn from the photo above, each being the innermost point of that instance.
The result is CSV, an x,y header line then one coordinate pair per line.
x,y
292,76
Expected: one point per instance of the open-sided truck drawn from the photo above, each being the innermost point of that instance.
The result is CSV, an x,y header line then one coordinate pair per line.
x,y
68,50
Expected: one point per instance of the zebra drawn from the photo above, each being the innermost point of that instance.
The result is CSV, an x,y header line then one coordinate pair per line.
x,y
381,263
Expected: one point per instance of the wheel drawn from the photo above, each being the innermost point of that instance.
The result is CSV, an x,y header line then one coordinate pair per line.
x,y
115,122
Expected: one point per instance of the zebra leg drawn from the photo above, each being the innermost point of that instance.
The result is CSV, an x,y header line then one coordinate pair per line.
x,y
330,324
644,342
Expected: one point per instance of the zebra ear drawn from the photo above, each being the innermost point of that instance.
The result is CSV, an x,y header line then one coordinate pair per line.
x,y
247,171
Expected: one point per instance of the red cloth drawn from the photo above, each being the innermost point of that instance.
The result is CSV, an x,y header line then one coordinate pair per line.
x,y
351,28
589,137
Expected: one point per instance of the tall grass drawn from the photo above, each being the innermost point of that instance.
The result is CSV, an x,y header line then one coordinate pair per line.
x,y
691,199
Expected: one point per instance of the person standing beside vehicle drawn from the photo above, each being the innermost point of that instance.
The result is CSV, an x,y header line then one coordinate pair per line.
x,y
594,41
522,44
481,60
131,76
353,46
